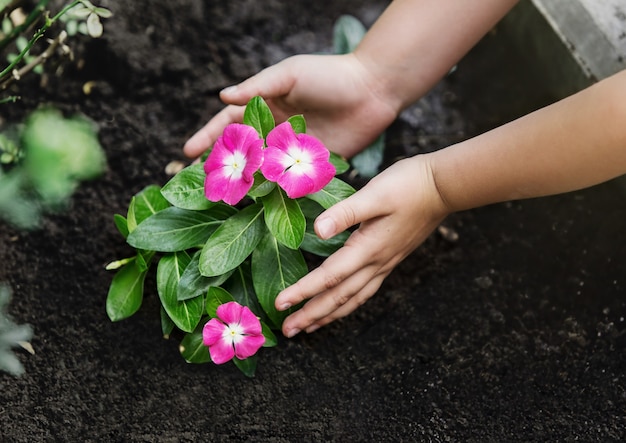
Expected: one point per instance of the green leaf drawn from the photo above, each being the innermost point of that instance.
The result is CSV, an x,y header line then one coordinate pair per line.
x,y
232,242
341,164
240,286
144,204
214,298
186,189
126,292
193,284
192,347
270,338
258,115
167,325
333,193
347,34
247,366
261,186
121,224
297,123
174,229
185,314
275,267
368,162
323,248
284,218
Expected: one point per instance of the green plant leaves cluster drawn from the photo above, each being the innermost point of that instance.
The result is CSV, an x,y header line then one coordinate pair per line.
x,y
210,253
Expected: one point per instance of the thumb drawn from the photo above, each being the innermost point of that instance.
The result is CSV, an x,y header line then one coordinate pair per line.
x,y
271,82
357,208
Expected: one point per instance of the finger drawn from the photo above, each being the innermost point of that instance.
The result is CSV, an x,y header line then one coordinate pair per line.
x,y
335,269
271,82
359,207
350,306
205,137
334,303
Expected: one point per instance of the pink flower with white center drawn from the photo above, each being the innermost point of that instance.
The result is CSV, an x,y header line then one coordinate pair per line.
x,y
297,162
236,332
236,156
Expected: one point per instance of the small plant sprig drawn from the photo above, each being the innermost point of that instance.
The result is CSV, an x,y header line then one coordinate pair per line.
x,y
228,235
80,15
11,336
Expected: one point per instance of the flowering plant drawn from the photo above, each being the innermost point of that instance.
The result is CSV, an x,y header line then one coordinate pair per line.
x,y
229,235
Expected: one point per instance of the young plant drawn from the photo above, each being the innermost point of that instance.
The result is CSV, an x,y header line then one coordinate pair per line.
x,y
85,18
228,235
11,336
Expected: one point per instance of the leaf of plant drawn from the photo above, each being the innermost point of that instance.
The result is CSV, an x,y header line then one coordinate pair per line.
x,y
126,292
186,189
147,202
270,338
185,314
233,241
175,229
347,34
247,366
167,325
297,123
261,186
214,298
274,267
332,193
312,243
240,286
284,218
341,164
258,115
193,284
121,224
192,347
368,161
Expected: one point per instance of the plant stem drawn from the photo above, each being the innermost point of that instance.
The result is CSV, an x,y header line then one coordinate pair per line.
x,y
32,18
48,23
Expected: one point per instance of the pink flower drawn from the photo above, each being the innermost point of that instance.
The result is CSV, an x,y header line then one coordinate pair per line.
x,y
235,333
297,162
236,156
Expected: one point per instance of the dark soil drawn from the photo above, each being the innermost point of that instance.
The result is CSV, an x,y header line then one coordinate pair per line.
x,y
515,331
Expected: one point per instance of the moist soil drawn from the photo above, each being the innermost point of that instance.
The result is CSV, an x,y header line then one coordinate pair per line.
x,y
506,325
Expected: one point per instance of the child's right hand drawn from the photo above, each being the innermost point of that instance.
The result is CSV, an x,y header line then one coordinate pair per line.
x,y
341,101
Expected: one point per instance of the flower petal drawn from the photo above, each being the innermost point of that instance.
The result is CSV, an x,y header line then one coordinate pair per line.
x,y
222,351
282,136
248,346
212,332
250,324
230,312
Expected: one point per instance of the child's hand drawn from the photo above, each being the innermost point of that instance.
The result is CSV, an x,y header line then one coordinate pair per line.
x,y
397,211
341,102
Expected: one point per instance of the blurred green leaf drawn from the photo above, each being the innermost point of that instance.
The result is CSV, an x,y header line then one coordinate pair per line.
x,y
347,34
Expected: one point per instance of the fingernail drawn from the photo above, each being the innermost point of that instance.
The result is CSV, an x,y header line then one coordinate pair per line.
x,y
229,90
284,306
326,228
312,328
292,332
